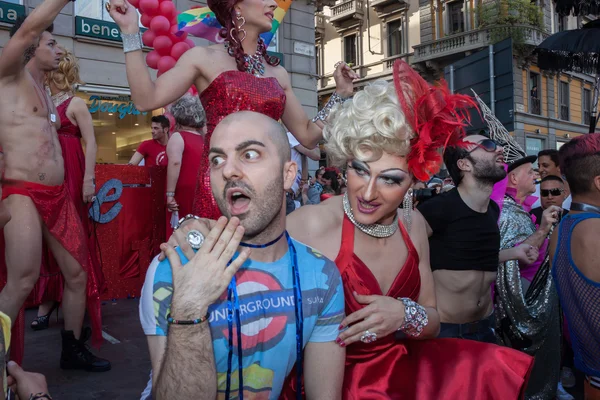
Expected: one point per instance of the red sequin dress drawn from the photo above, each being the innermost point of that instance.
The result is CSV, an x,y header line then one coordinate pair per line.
x,y
230,92
193,149
49,286
435,369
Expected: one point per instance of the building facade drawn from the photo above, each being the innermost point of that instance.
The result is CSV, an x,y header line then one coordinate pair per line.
x,y
85,28
547,109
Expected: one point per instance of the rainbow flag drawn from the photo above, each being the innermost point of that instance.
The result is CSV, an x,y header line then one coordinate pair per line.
x,y
201,22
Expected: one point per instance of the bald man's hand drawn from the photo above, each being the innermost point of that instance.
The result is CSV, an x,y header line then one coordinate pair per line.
x,y
179,237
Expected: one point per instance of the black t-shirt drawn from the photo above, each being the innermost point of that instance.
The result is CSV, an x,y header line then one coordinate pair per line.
x,y
462,239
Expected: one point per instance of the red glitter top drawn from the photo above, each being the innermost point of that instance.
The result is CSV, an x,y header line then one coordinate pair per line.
x,y
230,92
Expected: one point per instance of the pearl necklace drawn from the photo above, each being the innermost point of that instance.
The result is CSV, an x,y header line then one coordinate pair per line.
x,y
61,97
375,230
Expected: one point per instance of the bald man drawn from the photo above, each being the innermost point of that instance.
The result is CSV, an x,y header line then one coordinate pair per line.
x,y
250,170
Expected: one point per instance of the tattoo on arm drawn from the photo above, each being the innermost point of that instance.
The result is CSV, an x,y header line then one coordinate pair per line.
x,y
189,349
42,176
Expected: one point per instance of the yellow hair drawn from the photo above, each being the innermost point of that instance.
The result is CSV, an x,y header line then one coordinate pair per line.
x,y
67,75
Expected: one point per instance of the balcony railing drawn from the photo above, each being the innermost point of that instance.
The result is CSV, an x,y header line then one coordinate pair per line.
x,y
472,40
564,112
346,9
535,106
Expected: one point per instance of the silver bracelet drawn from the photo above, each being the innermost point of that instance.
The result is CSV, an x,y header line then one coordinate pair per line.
x,y
182,220
132,42
324,112
415,317
170,194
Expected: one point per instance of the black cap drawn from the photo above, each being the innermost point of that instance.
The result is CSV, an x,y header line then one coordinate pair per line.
x,y
521,161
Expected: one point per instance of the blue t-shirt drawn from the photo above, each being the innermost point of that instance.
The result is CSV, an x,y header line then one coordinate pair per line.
x,y
267,310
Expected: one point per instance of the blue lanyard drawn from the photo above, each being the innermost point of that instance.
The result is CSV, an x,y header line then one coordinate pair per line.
x,y
233,311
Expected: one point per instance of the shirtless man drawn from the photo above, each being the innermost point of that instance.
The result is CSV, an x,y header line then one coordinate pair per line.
x,y
33,185
464,240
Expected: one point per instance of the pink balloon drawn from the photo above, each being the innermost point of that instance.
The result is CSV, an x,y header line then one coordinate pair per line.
x,y
163,44
178,49
148,38
145,20
149,7
135,3
152,59
167,9
160,25
166,63
190,42
174,21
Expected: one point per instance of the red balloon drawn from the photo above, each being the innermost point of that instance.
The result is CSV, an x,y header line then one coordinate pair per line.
x,y
148,38
135,3
190,42
166,63
167,9
160,25
149,7
146,19
174,21
178,49
152,59
163,44
174,37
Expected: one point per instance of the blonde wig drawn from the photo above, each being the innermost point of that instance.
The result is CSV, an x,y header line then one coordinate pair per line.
x,y
66,77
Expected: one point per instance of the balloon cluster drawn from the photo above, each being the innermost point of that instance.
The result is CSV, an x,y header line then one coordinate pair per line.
x,y
160,17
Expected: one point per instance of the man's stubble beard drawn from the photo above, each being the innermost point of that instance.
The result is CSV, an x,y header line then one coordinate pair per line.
x,y
488,173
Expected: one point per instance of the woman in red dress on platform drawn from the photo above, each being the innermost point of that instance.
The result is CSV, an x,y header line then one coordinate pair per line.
x,y
184,150
386,137
76,124
235,76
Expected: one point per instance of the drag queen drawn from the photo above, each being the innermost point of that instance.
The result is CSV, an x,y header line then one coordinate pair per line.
x,y
235,76
386,137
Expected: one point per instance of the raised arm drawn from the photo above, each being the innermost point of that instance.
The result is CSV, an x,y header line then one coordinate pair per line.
x,y
146,94
11,60
83,119
175,148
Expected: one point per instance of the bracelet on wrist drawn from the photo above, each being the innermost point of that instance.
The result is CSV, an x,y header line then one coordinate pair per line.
x,y
172,321
415,318
132,42
170,194
187,217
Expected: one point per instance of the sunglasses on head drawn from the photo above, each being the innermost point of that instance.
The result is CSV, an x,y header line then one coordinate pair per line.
x,y
487,145
553,192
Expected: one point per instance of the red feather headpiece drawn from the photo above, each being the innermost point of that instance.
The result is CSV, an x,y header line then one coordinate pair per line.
x,y
436,116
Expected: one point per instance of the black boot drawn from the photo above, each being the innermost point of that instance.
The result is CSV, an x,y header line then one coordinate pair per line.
x,y
76,355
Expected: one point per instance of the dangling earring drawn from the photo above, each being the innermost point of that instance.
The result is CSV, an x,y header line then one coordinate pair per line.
x,y
242,21
407,208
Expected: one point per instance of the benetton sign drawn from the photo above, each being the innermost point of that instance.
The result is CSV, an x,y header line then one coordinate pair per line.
x,y
9,12
97,29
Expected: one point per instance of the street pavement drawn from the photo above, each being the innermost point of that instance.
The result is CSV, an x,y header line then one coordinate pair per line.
x,y
129,358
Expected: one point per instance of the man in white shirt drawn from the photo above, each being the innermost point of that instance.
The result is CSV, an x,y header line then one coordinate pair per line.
x,y
549,165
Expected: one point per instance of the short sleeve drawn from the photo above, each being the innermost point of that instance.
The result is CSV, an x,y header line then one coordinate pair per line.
x,y
433,212
143,148
157,293
292,139
333,312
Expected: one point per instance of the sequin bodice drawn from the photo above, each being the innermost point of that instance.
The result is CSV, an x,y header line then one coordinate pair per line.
x,y
66,126
230,92
234,91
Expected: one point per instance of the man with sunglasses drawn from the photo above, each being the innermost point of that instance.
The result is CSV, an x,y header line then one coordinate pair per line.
x,y
552,193
464,240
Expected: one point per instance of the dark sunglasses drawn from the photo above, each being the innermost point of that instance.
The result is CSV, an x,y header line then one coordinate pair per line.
x,y
487,145
553,192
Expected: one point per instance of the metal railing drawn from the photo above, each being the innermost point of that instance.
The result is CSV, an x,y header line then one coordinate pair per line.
x,y
535,106
474,39
346,7
564,112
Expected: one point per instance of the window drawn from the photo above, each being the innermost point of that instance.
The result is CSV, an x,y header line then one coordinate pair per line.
x,y
318,60
533,146
563,95
350,50
587,105
394,38
535,106
92,9
559,145
456,17
562,24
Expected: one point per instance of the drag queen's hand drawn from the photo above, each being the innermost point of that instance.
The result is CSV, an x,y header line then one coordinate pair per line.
x,y
125,15
88,191
344,78
205,277
383,315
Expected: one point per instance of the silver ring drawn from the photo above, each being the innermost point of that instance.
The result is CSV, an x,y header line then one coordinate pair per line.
x,y
93,199
337,64
195,239
368,337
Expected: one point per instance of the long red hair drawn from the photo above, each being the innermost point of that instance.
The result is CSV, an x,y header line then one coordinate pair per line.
x,y
225,13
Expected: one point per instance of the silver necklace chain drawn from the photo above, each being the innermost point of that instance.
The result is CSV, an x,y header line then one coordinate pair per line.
x,y
60,98
253,63
375,230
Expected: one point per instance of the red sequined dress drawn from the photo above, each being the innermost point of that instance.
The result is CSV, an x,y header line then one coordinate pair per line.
x,y
193,149
435,369
230,92
49,286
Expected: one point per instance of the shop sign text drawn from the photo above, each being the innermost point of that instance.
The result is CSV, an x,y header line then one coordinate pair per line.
x,y
9,12
121,106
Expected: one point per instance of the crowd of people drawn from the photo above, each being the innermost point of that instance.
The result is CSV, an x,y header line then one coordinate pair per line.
x,y
373,280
